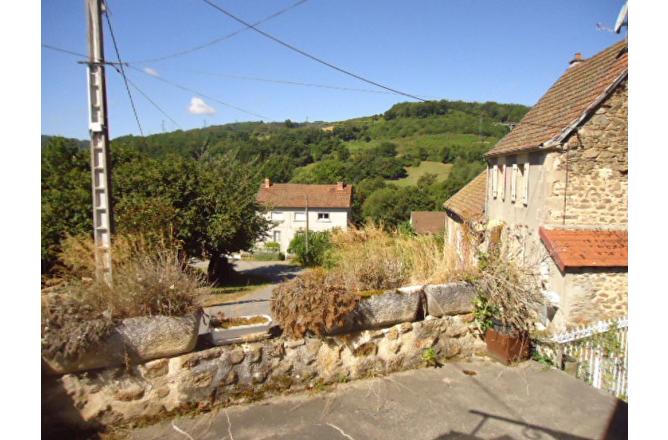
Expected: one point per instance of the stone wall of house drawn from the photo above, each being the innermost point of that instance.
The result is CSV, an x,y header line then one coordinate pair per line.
x,y
603,293
593,172
239,373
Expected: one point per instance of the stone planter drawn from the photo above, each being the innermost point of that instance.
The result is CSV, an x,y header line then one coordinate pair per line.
x,y
233,335
136,340
383,310
449,299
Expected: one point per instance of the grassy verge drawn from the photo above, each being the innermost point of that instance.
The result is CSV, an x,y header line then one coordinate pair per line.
x,y
233,289
414,173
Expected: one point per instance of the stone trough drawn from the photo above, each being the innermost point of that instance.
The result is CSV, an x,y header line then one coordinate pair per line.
x,y
136,340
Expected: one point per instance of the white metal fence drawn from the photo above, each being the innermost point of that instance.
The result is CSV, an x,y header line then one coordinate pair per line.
x,y
597,354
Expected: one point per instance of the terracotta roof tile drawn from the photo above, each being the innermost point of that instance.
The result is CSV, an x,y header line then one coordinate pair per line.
x,y
294,195
469,202
566,101
428,222
586,248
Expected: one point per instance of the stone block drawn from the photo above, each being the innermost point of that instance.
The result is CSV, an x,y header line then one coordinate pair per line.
x,y
449,299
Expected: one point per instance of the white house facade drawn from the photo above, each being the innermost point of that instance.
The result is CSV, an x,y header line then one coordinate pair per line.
x,y
289,205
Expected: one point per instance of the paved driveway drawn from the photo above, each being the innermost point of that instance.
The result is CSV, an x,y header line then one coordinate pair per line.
x,y
468,401
258,300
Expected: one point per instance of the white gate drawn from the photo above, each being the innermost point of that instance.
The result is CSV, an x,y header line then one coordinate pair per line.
x,y
597,354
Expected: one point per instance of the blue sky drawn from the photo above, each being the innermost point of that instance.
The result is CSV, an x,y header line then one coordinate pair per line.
x,y
505,51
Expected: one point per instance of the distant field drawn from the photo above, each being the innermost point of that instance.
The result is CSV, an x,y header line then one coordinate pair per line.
x,y
414,173
431,142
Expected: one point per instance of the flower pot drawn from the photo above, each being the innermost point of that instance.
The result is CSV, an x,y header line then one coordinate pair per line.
x,y
507,345
136,340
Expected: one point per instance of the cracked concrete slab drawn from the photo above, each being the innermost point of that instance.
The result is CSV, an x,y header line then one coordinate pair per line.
x,y
480,399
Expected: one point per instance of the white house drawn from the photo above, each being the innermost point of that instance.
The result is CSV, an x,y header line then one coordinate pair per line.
x,y
289,204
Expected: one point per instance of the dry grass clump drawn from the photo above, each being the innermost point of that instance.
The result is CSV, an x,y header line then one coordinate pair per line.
x,y
371,258
149,278
512,291
311,303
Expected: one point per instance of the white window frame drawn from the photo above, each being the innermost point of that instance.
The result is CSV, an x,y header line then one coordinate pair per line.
x,y
495,183
513,184
303,217
277,216
274,236
327,219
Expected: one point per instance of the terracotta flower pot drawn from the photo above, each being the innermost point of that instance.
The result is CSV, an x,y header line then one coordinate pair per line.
x,y
508,345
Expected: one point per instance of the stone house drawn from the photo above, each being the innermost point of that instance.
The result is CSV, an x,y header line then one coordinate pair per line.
x,y
428,222
558,189
465,212
293,207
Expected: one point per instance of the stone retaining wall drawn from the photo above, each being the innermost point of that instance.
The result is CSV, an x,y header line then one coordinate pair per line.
x,y
247,372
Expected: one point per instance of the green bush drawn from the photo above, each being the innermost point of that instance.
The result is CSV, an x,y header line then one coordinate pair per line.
x,y
272,246
318,246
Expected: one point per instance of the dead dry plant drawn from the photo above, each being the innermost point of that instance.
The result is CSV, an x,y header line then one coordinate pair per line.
x,y
149,278
512,290
371,258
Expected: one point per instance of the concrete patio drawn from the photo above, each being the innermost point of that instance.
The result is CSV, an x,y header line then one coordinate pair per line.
x,y
480,399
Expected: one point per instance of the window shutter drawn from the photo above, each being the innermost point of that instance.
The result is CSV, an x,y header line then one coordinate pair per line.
x,y
495,185
513,183
525,198
502,178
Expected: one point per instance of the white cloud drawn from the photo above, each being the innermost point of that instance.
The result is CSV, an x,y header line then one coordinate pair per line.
x,y
151,71
199,107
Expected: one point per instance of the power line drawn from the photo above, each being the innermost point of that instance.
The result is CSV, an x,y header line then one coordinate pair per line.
x,y
151,101
58,49
188,89
308,55
294,83
122,71
219,39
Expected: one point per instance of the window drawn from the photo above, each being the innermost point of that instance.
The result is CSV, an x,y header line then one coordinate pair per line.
x,y
277,216
513,184
323,216
300,216
494,179
277,236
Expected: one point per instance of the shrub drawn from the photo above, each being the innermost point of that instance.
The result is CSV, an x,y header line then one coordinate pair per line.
x,y
508,293
371,258
272,246
318,246
149,278
311,303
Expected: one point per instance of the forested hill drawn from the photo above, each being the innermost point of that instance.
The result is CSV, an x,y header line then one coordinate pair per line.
x,y
412,157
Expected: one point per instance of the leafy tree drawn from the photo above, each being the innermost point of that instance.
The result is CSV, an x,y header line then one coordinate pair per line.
x,y
66,195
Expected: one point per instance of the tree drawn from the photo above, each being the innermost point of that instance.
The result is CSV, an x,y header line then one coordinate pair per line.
x,y
66,195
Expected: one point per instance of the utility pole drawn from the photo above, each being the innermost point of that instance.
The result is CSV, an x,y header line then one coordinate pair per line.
x,y
100,159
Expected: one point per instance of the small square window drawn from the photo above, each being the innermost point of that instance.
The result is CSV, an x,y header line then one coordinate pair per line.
x,y
277,216
323,216
300,216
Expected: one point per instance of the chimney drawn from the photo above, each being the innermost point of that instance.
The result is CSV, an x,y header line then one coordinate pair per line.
x,y
576,60
339,186
267,182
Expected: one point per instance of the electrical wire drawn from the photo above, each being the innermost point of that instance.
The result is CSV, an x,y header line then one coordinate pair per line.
x,y
219,39
308,55
122,71
188,89
58,49
150,100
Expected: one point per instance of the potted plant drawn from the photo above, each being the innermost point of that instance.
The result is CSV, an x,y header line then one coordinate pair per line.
x,y
506,308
